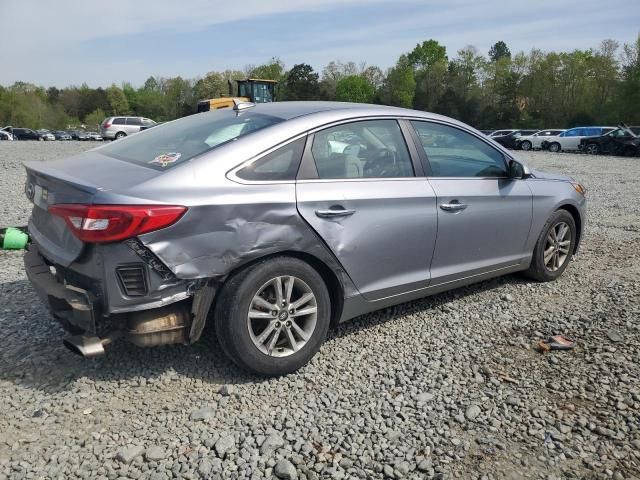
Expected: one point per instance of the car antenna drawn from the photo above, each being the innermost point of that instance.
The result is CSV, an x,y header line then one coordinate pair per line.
x,y
238,105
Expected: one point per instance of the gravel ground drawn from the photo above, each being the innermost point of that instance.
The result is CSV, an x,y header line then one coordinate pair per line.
x,y
446,387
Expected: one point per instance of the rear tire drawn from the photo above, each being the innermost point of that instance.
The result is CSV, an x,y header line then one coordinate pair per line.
x,y
554,147
261,335
526,145
120,135
554,249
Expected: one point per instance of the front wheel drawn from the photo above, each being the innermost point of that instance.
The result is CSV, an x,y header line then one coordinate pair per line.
x,y
592,149
272,317
526,145
554,247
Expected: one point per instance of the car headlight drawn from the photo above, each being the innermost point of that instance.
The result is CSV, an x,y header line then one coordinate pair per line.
x,y
579,188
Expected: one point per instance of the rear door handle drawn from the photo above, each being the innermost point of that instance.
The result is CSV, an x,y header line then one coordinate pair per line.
x,y
454,206
334,213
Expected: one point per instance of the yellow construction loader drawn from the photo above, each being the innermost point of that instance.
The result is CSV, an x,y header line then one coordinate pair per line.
x,y
254,90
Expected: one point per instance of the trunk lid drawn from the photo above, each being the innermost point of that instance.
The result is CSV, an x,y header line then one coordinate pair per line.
x,y
74,180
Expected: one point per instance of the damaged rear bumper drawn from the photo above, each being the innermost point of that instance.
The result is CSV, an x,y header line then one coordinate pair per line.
x,y
73,306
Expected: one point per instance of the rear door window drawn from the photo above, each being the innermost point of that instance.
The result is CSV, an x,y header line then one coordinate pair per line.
x,y
119,121
363,149
134,121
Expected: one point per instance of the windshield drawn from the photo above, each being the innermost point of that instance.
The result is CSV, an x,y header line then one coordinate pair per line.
x,y
172,143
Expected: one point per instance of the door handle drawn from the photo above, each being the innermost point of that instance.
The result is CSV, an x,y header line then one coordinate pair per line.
x,y
334,213
454,206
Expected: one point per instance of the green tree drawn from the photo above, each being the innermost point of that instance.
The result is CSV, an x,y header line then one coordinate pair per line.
x,y
302,83
213,85
499,50
117,100
429,59
354,88
400,86
272,70
629,92
94,119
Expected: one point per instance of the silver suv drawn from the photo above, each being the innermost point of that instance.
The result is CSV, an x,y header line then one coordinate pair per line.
x,y
117,127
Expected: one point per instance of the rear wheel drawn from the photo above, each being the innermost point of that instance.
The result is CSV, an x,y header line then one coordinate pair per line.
x,y
526,145
120,135
630,152
554,147
272,317
554,247
592,149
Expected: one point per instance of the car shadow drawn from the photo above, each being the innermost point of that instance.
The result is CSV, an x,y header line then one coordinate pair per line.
x,y
33,356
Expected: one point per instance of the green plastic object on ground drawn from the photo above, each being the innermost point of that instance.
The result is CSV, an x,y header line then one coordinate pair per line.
x,y
14,239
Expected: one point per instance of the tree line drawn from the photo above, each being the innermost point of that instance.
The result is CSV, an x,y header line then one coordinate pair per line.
x,y
528,90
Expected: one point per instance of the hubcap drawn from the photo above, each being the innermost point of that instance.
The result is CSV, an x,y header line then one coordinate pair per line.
x,y
526,146
556,249
592,149
282,316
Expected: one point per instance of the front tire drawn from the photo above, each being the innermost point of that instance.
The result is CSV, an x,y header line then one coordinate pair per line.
x,y
554,248
526,145
554,147
272,317
592,149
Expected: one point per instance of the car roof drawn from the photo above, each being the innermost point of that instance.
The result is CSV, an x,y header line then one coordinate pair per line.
x,y
291,110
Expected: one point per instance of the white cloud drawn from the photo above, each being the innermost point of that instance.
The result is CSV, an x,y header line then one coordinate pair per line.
x,y
40,39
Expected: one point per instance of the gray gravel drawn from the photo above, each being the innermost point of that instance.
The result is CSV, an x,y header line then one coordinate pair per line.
x,y
446,387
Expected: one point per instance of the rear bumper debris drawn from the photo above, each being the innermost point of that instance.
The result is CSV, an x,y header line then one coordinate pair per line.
x,y
73,306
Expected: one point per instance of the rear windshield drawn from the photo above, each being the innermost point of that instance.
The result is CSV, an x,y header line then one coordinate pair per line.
x,y
170,144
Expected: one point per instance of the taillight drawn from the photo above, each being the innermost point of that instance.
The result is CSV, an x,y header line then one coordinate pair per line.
x,y
112,223
106,125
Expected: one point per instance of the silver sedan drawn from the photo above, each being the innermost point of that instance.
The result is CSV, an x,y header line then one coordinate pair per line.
x,y
277,221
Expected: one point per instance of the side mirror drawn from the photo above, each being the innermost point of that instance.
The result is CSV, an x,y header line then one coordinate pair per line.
x,y
517,170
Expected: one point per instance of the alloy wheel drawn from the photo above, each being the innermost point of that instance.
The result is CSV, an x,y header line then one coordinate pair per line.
x,y
592,149
526,146
282,316
556,249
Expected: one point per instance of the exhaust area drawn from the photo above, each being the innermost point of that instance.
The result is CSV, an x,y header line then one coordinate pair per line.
x,y
88,347
148,328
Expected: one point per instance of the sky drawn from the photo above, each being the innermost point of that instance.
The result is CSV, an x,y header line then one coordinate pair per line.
x,y
70,42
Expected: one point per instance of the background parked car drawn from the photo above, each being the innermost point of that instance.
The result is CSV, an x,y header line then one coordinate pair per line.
x,y
621,141
25,134
569,140
510,140
46,135
5,133
61,135
499,133
95,136
117,127
534,142
82,136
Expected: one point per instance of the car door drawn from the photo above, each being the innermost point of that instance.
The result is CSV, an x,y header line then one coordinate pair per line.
x,y
133,125
571,138
617,141
358,189
484,217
